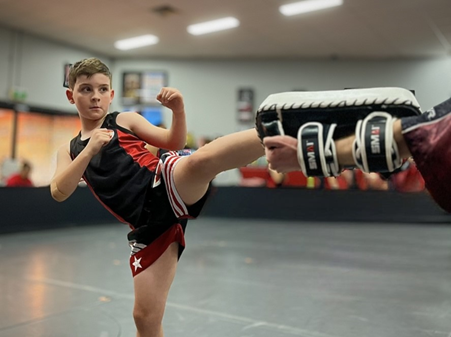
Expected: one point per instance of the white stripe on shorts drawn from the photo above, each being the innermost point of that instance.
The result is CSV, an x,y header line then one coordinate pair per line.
x,y
177,204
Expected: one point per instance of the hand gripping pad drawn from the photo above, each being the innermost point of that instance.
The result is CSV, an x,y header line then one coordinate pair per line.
x,y
317,155
342,107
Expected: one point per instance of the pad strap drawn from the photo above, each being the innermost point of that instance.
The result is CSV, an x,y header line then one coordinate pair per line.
x,y
317,155
374,149
272,128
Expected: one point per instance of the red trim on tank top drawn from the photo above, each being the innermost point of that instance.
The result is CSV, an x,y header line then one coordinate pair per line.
x,y
137,150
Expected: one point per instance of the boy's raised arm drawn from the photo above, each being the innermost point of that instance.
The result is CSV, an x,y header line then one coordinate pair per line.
x,y
172,99
173,138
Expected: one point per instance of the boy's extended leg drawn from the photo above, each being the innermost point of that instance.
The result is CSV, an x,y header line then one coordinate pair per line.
x,y
151,292
193,173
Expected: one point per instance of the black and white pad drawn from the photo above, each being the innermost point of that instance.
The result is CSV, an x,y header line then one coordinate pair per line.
x,y
316,150
342,107
374,148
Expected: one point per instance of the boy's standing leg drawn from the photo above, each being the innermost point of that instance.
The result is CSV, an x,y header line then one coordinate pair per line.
x,y
151,291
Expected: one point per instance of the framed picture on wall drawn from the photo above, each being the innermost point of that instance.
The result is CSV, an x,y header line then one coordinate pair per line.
x,y
66,75
131,86
245,105
142,87
151,84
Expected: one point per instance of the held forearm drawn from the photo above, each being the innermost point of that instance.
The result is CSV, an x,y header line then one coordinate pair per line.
x,y
344,146
65,183
404,151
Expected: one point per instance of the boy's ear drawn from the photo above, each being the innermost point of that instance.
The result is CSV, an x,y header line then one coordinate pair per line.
x,y
70,96
111,94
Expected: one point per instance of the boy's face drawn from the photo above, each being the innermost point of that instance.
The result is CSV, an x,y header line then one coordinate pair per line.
x,y
92,96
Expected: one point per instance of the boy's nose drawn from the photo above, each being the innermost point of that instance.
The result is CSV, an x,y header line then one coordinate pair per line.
x,y
96,95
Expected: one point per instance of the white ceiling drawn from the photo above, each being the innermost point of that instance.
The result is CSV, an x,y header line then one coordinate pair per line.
x,y
364,29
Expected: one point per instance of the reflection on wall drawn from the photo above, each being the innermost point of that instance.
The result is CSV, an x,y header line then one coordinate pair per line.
x,y
38,138
33,143
64,128
6,128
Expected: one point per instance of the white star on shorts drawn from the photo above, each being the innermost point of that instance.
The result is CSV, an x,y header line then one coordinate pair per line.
x,y
137,263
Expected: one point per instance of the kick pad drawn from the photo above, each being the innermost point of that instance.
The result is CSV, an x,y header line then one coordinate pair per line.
x,y
342,107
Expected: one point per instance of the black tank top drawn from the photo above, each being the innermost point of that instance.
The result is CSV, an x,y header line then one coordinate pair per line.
x,y
121,173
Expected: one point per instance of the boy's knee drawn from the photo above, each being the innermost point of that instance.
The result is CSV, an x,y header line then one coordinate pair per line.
x,y
148,323
200,162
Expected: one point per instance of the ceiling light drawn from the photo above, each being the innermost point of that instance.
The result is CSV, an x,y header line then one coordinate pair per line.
x,y
213,26
308,6
136,42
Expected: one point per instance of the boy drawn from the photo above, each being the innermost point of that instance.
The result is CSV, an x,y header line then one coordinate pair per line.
x,y
149,193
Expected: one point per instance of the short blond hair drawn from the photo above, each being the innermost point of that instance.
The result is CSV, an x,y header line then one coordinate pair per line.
x,y
88,67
